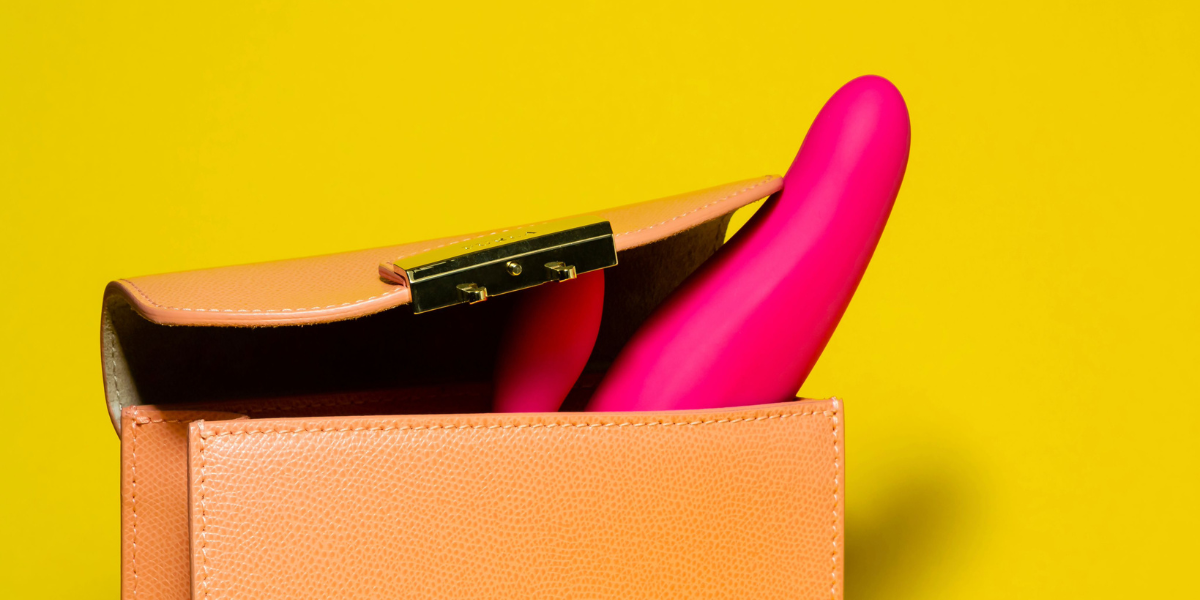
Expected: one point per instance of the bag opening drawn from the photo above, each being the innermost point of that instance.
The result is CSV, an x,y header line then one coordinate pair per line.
x,y
390,362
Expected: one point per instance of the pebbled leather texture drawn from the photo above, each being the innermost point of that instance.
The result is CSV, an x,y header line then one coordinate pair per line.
x,y
155,558
736,503
328,288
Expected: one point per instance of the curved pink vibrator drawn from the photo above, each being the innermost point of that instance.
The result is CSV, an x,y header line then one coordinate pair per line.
x,y
547,343
747,327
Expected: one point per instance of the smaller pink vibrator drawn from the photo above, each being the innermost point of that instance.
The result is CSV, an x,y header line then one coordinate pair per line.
x,y
548,340
747,327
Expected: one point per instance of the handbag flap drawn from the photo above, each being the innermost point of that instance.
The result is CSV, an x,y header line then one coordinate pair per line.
x,y
321,289
236,343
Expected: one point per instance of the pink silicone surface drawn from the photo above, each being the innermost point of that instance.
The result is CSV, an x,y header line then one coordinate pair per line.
x,y
748,326
547,343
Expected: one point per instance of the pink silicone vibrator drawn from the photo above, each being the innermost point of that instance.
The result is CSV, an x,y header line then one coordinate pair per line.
x,y
747,327
547,343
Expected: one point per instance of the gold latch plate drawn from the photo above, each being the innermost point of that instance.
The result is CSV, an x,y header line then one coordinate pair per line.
x,y
474,270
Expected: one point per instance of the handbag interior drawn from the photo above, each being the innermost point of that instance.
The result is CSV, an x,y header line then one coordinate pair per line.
x,y
391,362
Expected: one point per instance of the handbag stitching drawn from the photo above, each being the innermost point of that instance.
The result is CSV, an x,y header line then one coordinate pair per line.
x,y
110,333
203,517
833,574
832,414
133,502
314,308
134,423
522,426
257,310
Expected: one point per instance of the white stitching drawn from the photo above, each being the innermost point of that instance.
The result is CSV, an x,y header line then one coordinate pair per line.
x,y
204,446
133,501
387,293
111,334
209,434
134,423
203,517
257,310
833,574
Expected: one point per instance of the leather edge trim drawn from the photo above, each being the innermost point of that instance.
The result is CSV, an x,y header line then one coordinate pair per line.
x,y
761,188
549,420
114,369
128,507
196,516
168,315
839,502
133,418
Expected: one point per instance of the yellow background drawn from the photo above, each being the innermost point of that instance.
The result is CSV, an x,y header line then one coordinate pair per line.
x,y
1019,365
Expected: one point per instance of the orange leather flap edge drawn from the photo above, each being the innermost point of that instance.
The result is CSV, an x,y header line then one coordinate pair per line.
x,y
327,288
740,503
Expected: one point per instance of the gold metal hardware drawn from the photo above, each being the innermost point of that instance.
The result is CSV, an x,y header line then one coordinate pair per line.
x,y
474,270
472,293
560,271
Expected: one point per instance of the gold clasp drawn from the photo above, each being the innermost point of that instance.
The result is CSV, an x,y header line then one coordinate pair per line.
x,y
503,262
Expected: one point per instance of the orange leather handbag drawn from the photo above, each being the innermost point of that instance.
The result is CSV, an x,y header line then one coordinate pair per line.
x,y
293,430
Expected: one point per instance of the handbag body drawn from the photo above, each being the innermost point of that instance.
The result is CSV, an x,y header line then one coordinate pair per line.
x,y
295,429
